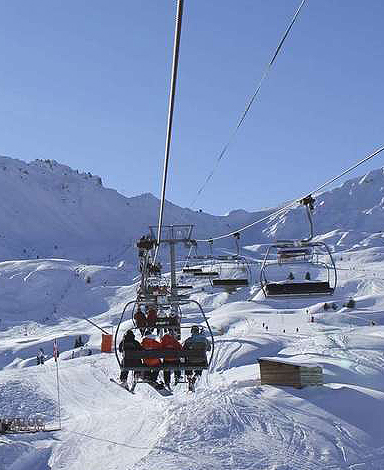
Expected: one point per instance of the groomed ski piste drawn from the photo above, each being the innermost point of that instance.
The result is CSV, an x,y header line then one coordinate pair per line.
x,y
231,421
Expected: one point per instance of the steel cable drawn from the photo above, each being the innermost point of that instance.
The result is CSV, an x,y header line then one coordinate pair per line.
x,y
247,108
175,64
293,203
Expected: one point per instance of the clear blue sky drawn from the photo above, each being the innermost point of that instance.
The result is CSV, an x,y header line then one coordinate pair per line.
x,y
86,83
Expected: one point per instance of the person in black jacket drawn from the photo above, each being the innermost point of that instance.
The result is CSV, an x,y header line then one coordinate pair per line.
x,y
127,344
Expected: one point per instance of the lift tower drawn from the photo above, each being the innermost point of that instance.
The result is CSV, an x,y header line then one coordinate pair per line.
x,y
173,235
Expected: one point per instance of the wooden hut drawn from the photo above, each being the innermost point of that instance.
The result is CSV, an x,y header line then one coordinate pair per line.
x,y
292,374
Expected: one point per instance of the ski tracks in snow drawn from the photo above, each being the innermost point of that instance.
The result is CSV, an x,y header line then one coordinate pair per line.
x,y
238,429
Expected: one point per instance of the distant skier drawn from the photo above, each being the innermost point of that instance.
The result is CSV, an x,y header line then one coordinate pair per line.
x,y
196,342
169,342
127,344
40,358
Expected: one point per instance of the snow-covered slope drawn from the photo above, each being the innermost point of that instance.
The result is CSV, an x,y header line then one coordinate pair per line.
x,y
232,422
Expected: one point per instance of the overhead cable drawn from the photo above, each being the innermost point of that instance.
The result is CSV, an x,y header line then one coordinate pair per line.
x,y
249,104
297,200
175,64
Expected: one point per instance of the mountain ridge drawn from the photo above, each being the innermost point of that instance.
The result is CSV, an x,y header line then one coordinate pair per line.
x,y
49,210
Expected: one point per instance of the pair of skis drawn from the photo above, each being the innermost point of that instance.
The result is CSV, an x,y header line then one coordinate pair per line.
x,y
160,388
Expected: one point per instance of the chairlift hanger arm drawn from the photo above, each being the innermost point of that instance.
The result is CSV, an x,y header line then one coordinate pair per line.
x,y
308,202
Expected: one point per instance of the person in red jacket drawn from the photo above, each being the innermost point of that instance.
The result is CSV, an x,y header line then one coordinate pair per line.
x,y
148,343
140,320
151,318
169,342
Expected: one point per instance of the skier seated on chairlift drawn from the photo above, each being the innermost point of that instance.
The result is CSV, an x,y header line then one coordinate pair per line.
x,y
148,343
169,342
151,318
196,342
291,277
140,320
127,344
307,276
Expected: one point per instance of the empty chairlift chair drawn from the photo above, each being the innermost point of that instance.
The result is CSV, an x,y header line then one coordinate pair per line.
x,y
305,256
237,262
231,284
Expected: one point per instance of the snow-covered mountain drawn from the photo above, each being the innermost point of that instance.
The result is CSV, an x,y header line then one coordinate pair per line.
x,y
48,210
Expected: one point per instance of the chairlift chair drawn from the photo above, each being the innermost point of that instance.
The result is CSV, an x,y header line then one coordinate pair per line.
x,y
302,254
237,262
184,356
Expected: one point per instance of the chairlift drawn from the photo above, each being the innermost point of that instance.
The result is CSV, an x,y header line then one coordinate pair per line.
x,y
237,262
304,255
201,270
164,318
303,287
186,358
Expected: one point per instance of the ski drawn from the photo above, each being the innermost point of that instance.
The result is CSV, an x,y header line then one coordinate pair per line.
x,y
160,388
130,390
